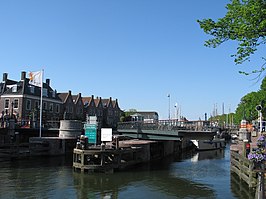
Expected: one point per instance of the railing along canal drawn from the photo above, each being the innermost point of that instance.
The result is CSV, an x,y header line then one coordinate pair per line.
x,y
243,168
249,173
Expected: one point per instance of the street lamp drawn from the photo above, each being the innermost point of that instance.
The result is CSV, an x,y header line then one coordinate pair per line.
x,y
176,107
169,109
259,108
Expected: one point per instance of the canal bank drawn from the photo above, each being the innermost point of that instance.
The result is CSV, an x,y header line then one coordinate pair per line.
x,y
247,170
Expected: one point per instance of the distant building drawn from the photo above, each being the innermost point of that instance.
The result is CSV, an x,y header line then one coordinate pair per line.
x,y
72,106
145,116
107,111
93,107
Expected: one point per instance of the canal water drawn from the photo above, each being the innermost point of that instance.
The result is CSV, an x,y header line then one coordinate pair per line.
x,y
194,175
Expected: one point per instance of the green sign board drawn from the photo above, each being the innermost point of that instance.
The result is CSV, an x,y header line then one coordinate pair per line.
x,y
91,133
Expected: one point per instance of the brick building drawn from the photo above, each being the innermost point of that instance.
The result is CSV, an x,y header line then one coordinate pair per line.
x,y
21,100
72,106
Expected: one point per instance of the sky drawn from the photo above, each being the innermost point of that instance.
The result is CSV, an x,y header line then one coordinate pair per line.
x,y
137,51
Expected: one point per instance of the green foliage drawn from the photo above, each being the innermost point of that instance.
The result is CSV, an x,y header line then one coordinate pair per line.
x,y
225,119
263,85
130,112
126,115
244,22
247,107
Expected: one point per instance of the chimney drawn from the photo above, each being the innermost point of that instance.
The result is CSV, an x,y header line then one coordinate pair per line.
x,y
48,82
4,77
23,75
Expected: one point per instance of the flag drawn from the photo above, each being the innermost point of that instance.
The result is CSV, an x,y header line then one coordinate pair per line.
x,y
35,78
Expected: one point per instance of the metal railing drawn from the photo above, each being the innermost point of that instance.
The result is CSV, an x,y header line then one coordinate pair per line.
x,y
29,124
170,125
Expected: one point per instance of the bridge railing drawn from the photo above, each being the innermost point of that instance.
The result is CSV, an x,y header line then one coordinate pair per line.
x,y
171,125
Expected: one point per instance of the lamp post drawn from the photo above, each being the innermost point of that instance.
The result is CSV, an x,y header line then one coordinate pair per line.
x,y
169,109
259,108
176,109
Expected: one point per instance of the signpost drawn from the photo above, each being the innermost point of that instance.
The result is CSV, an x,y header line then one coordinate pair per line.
x,y
106,134
91,133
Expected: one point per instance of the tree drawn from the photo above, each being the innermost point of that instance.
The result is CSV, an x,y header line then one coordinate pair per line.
x,y
244,22
247,106
263,85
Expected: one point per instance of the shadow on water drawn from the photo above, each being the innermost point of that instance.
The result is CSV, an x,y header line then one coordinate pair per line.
x,y
240,188
192,175
123,184
154,178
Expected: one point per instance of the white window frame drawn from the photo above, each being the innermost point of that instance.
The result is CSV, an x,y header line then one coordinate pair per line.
x,y
14,104
7,102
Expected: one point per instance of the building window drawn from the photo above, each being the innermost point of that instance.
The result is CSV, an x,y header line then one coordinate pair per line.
x,y
51,107
57,108
71,109
36,104
45,92
15,104
44,106
6,103
14,88
32,89
28,104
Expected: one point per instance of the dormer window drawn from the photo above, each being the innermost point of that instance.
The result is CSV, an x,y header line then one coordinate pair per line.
x,y
15,88
32,89
44,92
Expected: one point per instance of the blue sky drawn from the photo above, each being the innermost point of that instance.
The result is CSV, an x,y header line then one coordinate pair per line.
x,y
136,51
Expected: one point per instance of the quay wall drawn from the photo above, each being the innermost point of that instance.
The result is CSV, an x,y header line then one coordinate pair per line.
x,y
51,146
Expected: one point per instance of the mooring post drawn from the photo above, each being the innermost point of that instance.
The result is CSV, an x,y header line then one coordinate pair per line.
x,y
245,142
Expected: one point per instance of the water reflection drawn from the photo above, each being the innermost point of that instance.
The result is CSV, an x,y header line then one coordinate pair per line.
x,y
240,188
155,184
208,155
194,175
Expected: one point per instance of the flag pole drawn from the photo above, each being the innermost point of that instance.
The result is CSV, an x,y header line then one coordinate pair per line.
x,y
40,134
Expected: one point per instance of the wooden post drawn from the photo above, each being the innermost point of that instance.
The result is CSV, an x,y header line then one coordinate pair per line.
x,y
245,148
82,161
261,192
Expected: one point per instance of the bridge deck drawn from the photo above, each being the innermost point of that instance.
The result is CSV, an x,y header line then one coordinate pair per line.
x,y
157,131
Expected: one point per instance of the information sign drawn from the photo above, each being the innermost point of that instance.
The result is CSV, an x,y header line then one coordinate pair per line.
x,y
106,134
91,133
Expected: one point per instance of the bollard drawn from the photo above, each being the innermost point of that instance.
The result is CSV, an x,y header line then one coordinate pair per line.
x,y
245,142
